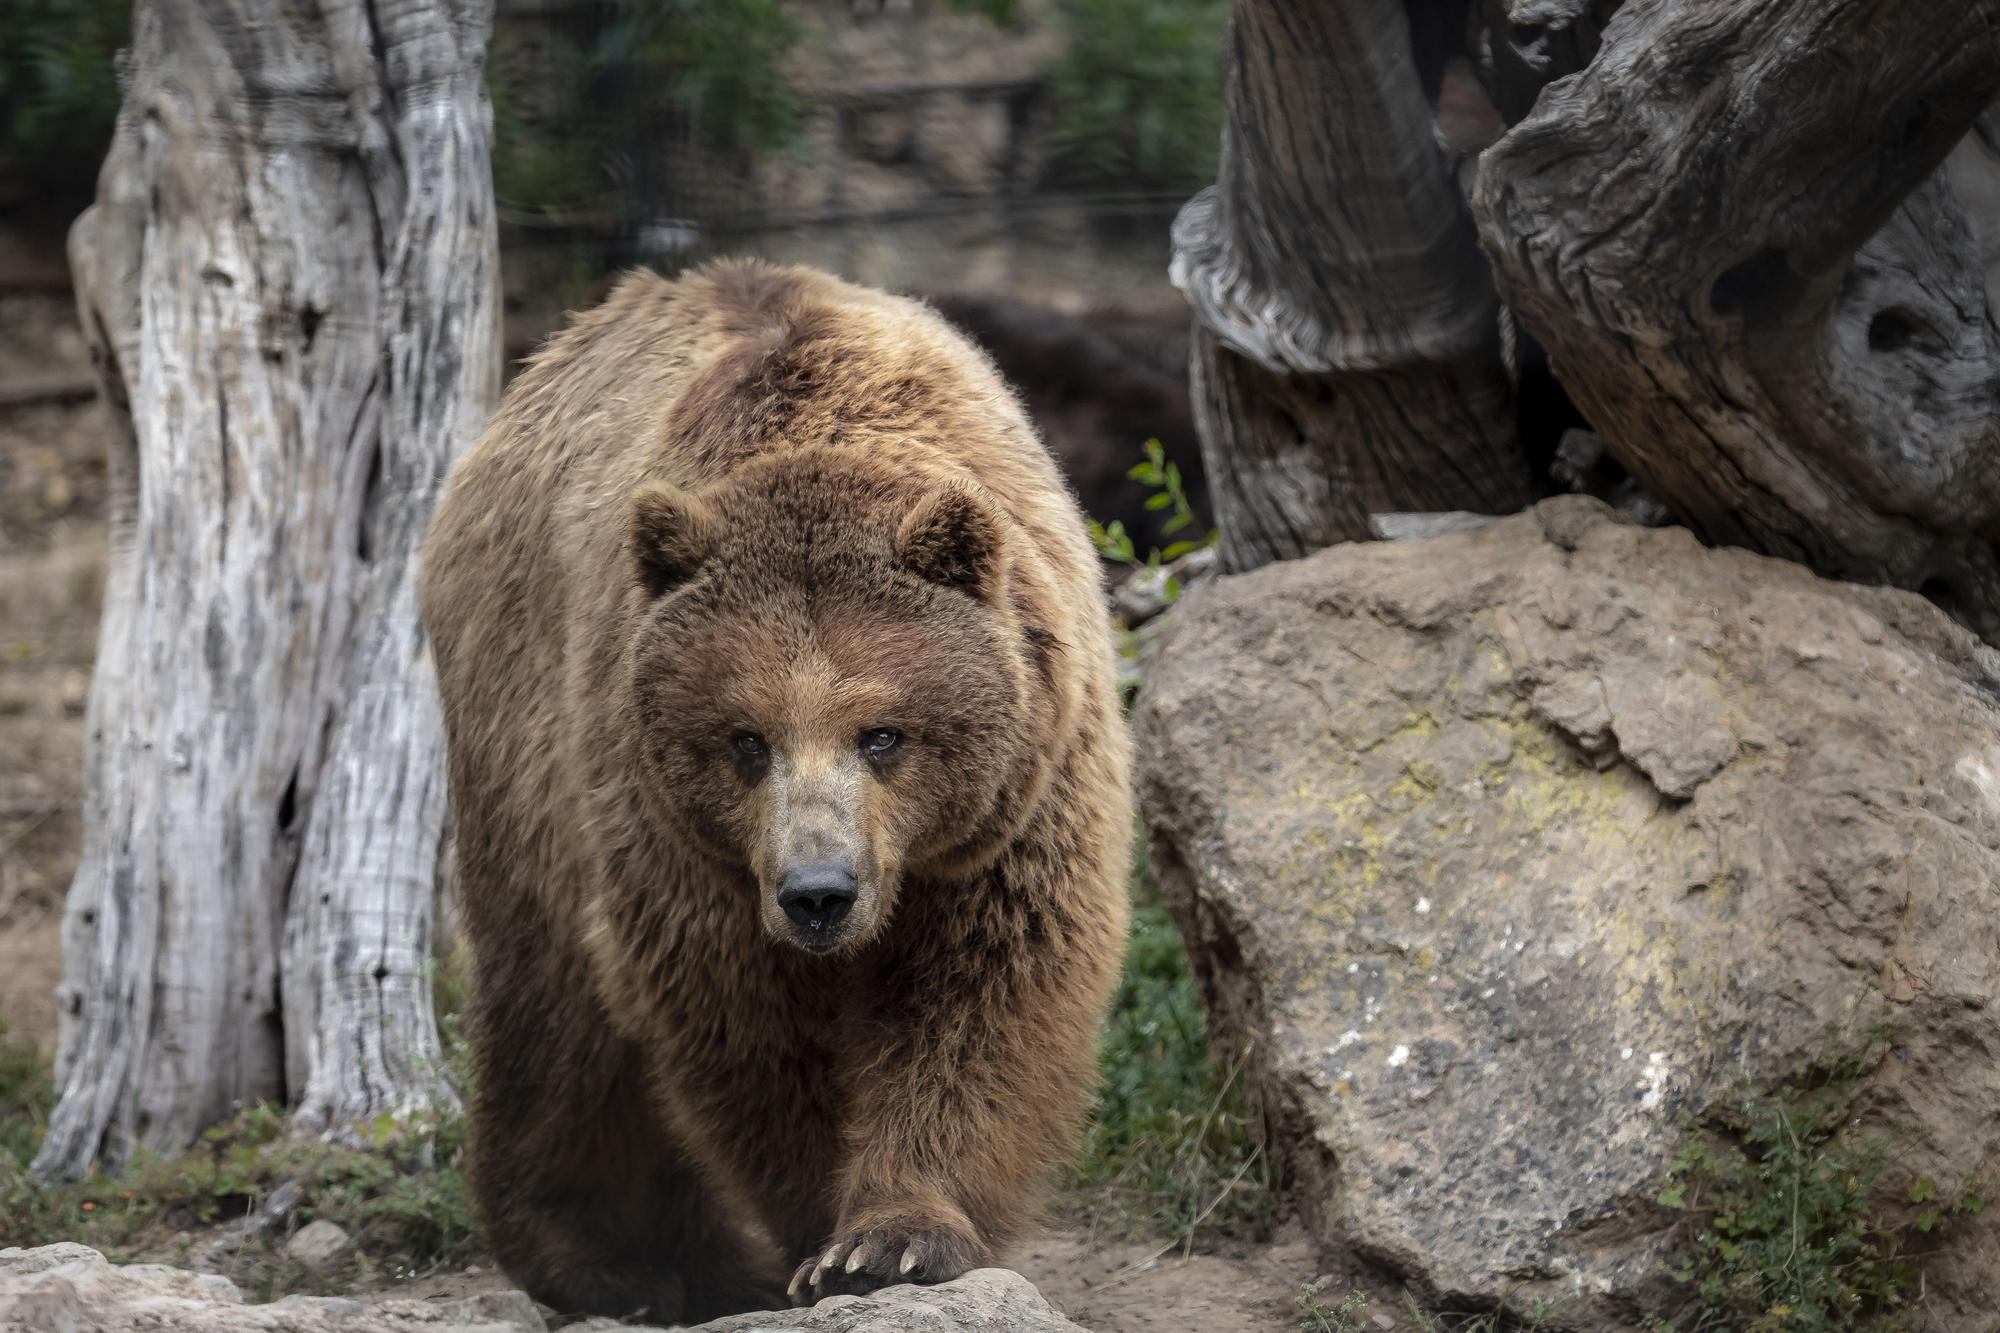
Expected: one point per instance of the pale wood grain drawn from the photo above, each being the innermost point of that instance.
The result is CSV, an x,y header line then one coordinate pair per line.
x,y
290,280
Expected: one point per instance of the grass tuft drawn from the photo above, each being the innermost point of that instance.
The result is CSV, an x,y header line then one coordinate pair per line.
x,y
401,1192
1173,1141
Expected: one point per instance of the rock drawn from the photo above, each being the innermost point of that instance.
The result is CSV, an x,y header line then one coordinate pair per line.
x,y
319,1247
1511,852
73,1289
986,1300
62,1287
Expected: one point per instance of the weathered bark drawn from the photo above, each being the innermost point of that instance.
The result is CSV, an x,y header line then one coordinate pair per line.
x,y
289,276
1347,338
1734,236
1519,47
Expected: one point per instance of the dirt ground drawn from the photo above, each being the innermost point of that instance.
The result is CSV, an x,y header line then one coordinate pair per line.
x,y
1237,1288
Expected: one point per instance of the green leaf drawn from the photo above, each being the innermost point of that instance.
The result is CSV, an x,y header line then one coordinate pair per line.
x,y
1179,549
1159,500
1673,1196
1176,523
1923,1189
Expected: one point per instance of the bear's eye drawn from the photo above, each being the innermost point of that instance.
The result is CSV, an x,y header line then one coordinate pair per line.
x,y
750,747
880,742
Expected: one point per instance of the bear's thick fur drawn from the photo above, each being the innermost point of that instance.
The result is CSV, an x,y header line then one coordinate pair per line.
x,y
790,783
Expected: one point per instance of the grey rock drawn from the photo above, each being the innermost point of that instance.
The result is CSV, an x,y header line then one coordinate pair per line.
x,y
512,1309
73,1289
61,1287
319,1247
1509,852
986,1300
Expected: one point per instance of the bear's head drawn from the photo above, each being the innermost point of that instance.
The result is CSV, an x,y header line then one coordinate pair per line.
x,y
837,682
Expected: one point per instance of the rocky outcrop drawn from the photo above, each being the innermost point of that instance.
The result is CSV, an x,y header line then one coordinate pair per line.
x,y
1509,854
73,1289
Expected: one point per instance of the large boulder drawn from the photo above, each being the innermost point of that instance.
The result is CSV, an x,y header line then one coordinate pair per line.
x,y
74,1289
1510,854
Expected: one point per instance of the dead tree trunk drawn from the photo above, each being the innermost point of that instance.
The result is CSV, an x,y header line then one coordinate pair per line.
x,y
1734,236
290,280
1347,355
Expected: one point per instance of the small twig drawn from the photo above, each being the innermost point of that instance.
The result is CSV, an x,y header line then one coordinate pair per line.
x,y
1201,1136
1798,1186
1137,1266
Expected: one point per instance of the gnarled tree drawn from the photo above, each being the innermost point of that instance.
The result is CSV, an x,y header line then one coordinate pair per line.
x,y
1347,339
290,280
1753,239
1738,233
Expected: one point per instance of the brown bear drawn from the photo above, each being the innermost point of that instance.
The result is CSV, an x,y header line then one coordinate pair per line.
x,y
790,782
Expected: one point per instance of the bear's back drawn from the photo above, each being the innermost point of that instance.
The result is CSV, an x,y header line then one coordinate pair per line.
x,y
681,381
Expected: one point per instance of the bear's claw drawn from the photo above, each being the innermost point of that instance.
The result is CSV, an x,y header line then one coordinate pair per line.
x,y
858,1264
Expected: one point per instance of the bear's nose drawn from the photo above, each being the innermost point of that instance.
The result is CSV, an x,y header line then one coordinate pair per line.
x,y
817,896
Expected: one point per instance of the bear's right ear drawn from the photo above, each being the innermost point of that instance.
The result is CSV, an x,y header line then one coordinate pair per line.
x,y
952,538
672,533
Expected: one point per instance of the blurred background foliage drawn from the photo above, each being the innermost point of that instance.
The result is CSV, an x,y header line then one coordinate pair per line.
x,y
59,91
1134,97
1137,94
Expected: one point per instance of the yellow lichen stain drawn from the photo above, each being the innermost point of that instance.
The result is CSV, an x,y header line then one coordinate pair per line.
x,y
1550,832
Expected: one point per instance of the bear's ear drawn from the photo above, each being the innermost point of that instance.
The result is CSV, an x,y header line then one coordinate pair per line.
x,y
672,533
952,538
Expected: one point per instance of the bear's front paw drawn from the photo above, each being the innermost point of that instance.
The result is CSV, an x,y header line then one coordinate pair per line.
x,y
859,1262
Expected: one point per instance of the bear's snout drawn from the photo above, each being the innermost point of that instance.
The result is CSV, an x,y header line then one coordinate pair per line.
x,y
817,897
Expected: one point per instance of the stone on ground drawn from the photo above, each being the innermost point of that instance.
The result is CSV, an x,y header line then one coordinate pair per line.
x,y
319,1247
1509,853
74,1289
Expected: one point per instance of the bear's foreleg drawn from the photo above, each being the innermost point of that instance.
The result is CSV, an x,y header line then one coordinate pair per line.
x,y
589,1201
972,1056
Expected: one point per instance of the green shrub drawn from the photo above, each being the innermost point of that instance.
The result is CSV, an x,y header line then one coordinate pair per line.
x,y
655,76
27,1094
1163,475
59,89
1789,1230
1138,90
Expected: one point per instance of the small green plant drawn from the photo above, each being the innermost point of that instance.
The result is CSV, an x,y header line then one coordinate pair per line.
x,y
1789,1230
1173,1142
1164,476
1316,1316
